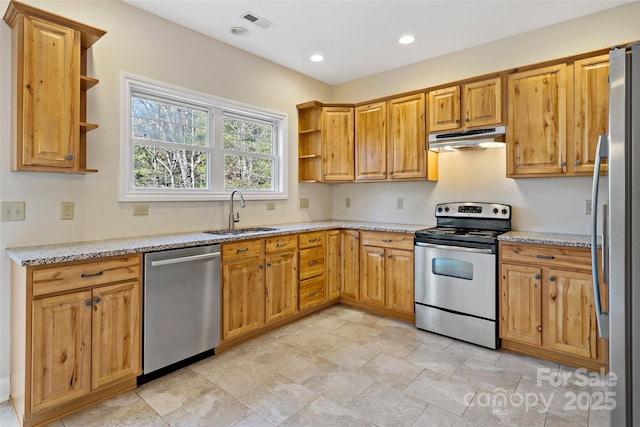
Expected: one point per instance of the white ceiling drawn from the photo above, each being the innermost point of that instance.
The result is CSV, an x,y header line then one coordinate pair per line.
x,y
360,37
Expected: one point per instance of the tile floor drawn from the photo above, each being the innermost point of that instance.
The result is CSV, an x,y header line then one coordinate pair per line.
x,y
345,367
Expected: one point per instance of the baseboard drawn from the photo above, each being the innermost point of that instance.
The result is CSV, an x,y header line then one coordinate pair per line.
x,y
4,389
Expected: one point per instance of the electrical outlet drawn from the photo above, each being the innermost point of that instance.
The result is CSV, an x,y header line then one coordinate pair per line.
x,y
139,210
304,203
347,202
271,206
66,210
12,211
587,207
400,203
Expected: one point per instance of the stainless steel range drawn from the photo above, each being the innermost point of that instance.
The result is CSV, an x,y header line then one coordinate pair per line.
x,y
456,282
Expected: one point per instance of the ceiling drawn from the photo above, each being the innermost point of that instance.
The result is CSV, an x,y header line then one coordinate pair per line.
x,y
360,37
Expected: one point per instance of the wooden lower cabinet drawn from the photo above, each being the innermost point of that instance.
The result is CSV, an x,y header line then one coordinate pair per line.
x,y
399,270
350,264
372,276
242,296
547,305
281,286
333,274
78,343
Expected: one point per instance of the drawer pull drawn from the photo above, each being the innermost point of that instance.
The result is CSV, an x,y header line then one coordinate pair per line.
x,y
261,266
382,255
552,279
314,293
279,245
386,240
389,256
239,251
97,300
313,240
545,256
88,303
537,277
313,262
540,328
268,264
86,276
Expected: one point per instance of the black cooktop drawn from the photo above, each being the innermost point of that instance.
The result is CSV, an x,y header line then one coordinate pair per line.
x,y
446,234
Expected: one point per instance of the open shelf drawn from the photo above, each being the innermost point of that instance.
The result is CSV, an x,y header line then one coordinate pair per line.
x,y
88,126
307,131
309,156
87,83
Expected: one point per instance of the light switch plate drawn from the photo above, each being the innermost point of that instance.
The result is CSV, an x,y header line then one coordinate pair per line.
x,y
12,211
66,210
139,210
304,203
400,203
587,207
347,202
271,206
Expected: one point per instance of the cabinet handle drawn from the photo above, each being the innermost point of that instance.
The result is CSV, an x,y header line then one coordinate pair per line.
x,y
386,240
313,240
268,264
545,256
313,293
86,276
313,262
279,245
69,156
537,277
577,162
88,303
539,328
97,300
239,251
551,279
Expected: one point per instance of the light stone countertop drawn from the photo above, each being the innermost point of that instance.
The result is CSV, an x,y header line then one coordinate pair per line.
x,y
560,239
76,251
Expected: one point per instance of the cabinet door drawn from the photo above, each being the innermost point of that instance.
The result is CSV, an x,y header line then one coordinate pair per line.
x,y
537,124
332,265
115,338
483,103
399,280
281,286
371,142
520,295
337,141
372,277
444,109
242,297
591,100
49,95
406,143
61,346
568,314
350,264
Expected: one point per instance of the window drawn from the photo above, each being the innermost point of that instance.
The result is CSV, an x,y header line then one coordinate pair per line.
x,y
178,144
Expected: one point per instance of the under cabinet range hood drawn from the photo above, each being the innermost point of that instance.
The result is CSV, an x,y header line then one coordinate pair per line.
x,y
468,139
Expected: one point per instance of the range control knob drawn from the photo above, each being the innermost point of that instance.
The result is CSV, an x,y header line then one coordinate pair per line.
x,y
495,210
446,209
504,211
439,209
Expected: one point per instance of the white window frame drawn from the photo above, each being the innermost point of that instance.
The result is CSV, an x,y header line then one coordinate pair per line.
x,y
216,107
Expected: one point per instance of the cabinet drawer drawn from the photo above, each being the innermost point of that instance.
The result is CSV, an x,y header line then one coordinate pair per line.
x,y
311,292
387,240
546,255
63,278
281,243
241,250
311,263
311,240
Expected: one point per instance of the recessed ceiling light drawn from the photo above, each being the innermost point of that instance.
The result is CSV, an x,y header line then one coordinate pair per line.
x,y
238,31
407,39
317,58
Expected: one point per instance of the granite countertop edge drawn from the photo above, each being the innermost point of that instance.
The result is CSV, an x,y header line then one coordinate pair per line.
x,y
78,251
545,238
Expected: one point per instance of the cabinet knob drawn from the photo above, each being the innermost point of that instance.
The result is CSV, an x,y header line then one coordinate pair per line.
x,y
537,277
268,264
97,300
261,266
389,256
88,303
563,164
69,156
313,262
466,120
457,120
381,173
382,255
539,328
551,278
577,162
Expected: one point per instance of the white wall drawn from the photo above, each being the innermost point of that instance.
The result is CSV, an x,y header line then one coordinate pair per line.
x,y
539,204
143,44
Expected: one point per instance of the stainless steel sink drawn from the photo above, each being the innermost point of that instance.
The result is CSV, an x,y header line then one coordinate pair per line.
x,y
247,230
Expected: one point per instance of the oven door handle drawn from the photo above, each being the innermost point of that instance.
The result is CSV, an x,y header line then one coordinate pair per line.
x,y
455,248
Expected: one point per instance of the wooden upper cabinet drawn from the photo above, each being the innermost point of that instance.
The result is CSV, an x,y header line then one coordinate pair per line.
x,y
371,141
337,141
537,122
444,109
591,103
406,143
49,62
483,103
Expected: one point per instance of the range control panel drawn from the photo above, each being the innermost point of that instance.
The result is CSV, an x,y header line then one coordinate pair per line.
x,y
473,210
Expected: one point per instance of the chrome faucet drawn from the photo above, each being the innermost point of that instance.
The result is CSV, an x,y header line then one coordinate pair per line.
x,y
235,218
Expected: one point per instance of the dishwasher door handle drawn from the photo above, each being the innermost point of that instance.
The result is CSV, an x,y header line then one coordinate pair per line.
x,y
211,255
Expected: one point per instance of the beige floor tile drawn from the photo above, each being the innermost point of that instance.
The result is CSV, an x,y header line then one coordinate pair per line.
x,y
298,365
278,399
355,315
526,365
391,371
442,391
487,377
348,355
393,344
253,420
7,417
436,417
599,418
386,406
324,413
475,352
57,423
435,359
500,408
313,341
432,340
212,409
356,332
339,385
127,409
241,377
556,421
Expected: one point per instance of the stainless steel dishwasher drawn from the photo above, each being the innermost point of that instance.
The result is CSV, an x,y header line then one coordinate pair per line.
x,y
181,307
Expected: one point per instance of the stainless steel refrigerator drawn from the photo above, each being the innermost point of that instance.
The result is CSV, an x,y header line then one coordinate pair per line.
x,y
621,233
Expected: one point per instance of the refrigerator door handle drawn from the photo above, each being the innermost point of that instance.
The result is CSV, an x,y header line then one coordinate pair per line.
x,y
602,318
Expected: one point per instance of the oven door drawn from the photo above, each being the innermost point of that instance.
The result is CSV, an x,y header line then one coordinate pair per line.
x,y
454,278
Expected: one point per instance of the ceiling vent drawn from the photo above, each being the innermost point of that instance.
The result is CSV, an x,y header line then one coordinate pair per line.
x,y
256,20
